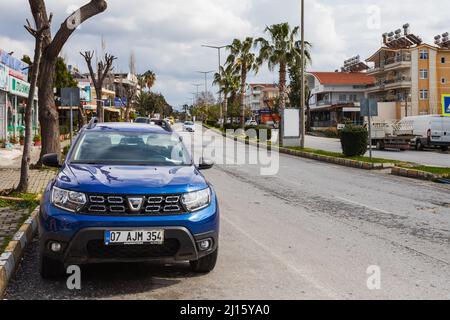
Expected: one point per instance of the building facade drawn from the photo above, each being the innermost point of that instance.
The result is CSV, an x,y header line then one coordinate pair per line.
x,y
335,97
14,90
411,77
260,97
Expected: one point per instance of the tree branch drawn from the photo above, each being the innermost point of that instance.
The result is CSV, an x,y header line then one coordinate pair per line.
x,y
87,11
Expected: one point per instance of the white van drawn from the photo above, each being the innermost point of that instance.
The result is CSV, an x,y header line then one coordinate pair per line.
x,y
430,131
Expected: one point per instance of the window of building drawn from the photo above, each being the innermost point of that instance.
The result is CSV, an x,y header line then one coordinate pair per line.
x,y
443,81
443,60
342,97
424,94
423,74
423,54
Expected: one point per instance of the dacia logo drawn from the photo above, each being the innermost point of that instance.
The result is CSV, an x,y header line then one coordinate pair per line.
x,y
135,204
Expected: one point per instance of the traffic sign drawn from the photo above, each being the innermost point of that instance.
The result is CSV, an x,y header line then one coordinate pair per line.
x,y
446,105
369,107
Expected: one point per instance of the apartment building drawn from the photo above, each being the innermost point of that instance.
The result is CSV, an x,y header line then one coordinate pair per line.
x,y
335,97
411,77
260,97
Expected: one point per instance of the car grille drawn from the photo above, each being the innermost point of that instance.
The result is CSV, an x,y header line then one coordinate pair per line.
x,y
98,250
122,205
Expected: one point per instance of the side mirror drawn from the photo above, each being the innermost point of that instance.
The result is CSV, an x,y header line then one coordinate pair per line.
x,y
51,160
205,164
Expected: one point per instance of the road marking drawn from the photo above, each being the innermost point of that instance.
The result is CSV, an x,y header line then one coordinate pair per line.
x,y
330,293
363,205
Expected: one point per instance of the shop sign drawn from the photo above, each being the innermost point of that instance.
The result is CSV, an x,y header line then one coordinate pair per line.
x,y
4,78
19,87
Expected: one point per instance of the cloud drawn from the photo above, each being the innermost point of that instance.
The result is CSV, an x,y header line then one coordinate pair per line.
x,y
167,35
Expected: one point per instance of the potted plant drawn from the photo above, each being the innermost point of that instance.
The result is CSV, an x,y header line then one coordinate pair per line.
x,y
37,140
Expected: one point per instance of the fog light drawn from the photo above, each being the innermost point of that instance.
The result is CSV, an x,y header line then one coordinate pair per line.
x,y
205,245
55,247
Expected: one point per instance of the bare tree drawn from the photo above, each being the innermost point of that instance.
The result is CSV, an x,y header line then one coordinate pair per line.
x,y
104,67
51,48
37,33
128,91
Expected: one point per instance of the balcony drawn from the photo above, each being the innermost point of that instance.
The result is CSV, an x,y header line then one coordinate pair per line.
x,y
403,61
396,83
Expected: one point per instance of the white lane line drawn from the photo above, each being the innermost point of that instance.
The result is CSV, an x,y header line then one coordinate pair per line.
x,y
308,278
363,205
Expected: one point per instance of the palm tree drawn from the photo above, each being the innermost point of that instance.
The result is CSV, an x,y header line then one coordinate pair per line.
x,y
281,50
244,60
150,79
228,81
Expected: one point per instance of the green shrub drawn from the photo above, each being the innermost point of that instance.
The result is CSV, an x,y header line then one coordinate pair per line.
x,y
258,131
212,123
354,140
66,150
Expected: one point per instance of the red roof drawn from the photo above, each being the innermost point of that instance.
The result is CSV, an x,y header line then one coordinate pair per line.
x,y
343,78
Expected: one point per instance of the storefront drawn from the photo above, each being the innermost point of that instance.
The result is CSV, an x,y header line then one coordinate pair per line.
x,y
14,90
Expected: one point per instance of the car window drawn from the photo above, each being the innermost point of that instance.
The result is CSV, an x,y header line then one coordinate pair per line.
x,y
131,148
141,120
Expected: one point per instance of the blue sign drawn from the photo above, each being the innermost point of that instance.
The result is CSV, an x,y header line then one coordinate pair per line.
x,y
13,63
446,105
120,102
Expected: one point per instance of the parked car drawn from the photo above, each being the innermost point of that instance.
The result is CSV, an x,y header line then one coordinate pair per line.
x,y
189,126
251,123
127,193
142,120
430,131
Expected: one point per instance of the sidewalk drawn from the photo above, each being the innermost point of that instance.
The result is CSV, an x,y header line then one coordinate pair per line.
x,y
9,178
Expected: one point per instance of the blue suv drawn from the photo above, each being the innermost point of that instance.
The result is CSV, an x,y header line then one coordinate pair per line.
x,y
128,193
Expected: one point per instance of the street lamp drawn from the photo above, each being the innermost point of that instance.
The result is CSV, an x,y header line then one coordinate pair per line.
x,y
303,93
218,48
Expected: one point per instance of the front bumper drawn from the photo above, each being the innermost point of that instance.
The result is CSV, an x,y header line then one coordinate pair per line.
x,y
82,236
88,247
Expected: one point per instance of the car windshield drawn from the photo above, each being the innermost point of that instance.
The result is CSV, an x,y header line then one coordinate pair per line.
x,y
188,123
131,148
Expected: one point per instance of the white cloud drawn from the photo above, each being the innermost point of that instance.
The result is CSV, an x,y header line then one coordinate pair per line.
x,y
167,34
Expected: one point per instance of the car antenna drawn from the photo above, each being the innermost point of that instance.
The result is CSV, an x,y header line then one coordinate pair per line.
x,y
92,123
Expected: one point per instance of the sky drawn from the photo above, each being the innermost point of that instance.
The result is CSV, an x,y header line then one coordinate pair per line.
x,y
166,36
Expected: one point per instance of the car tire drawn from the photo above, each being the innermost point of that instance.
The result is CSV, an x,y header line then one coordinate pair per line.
x,y
51,268
205,264
419,145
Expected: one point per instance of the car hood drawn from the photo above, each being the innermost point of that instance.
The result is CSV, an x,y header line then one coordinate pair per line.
x,y
130,179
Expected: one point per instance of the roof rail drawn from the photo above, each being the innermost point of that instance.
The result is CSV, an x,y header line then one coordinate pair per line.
x,y
93,123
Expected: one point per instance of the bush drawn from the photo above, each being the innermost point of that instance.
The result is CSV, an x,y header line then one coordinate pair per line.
x,y
212,123
258,131
354,140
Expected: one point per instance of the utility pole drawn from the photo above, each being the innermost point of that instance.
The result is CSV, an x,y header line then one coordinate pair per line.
x,y
302,102
218,48
198,86
206,79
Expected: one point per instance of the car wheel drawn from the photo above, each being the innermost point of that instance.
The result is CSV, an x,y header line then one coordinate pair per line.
x,y
50,268
205,264
419,145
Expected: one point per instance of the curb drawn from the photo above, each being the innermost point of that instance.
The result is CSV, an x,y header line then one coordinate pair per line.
x,y
10,259
415,174
313,156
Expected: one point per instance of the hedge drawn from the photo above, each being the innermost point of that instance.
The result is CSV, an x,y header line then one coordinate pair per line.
x,y
354,140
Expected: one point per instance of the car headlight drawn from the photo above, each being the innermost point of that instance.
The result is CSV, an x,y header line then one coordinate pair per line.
x,y
68,200
197,200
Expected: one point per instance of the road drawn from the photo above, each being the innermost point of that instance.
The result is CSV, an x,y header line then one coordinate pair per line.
x,y
429,158
309,232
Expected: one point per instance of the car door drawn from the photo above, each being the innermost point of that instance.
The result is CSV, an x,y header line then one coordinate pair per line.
x,y
445,124
436,128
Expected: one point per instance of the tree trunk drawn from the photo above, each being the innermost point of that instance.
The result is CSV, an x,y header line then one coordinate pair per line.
x,y
51,48
100,111
82,118
127,113
282,86
26,156
243,83
48,113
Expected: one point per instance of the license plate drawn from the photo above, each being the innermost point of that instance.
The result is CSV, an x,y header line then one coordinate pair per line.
x,y
134,237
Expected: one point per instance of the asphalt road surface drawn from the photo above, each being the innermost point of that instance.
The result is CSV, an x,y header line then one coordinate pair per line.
x,y
312,231
431,157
